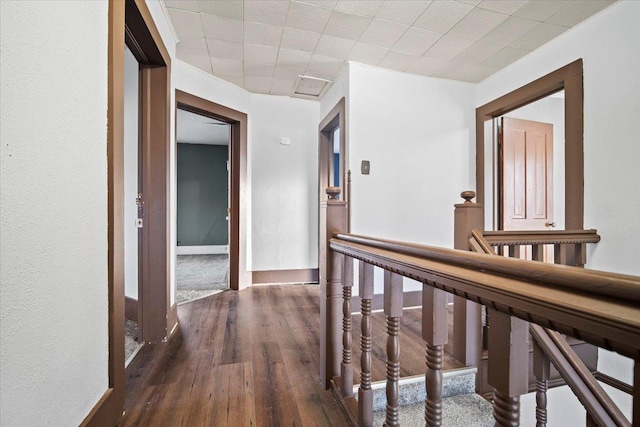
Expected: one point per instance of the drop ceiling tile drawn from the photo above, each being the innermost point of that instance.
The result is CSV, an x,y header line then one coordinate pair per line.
x,y
325,65
227,67
282,87
426,66
227,8
402,12
327,4
398,61
508,7
334,47
236,80
367,53
509,31
538,36
504,57
202,62
359,7
470,2
416,41
476,24
441,16
186,24
287,73
383,33
272,12
262,54
257,84
225,50
191,46
346,25
262,34
256,69
541,10
477,52
448,47
222,28
578,11
190,5
293,59
307,17
294,39
465,73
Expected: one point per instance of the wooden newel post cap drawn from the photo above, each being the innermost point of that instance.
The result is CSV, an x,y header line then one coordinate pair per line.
x,y
468,195
333,192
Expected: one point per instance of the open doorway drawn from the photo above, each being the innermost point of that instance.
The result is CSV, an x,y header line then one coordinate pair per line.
x,y
203,196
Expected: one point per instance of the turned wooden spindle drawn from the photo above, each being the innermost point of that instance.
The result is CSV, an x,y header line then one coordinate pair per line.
x,y
393,309
434,332
506,410
365,394
541,370
346,368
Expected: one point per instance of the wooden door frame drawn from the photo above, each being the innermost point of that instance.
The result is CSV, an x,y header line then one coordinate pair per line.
x,y
238,153
569,78
335,118
132,17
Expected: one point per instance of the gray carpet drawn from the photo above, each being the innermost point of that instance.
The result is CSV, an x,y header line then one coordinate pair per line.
x,y
200,275
465,410
130,338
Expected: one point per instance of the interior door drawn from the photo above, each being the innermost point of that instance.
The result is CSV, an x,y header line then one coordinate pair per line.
x,y
527,174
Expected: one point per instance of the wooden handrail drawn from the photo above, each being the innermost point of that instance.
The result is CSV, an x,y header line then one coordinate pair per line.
x,y
590,393
539,237
480,244
597,307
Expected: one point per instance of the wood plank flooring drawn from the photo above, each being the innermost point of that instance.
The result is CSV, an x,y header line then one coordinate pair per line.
x,y
250,358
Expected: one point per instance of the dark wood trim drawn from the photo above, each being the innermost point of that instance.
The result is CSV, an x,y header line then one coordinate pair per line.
x,y
238,273
130,308
613,382
102,413
568,78
335,118
409,299
539,237
115,230
309,275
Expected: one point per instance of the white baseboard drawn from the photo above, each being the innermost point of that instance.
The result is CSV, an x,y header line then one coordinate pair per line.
x,y
202,250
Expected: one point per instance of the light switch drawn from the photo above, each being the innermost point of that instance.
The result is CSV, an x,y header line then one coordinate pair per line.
x,y
365,167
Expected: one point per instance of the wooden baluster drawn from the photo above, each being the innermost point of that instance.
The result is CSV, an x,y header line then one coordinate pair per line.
x,y
434,332
485,330
365,394
581,254
393,309
635,417
514,251
560,254
537,253
346,373
541,368
508,366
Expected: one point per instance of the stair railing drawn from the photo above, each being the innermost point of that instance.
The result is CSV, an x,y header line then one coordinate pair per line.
x,y
604,311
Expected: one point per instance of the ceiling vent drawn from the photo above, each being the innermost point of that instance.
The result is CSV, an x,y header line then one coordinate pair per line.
x,y
310,87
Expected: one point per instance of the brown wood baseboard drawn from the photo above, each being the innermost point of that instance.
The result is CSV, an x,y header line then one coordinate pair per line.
x,y
410,299
131,309
285,276
102,413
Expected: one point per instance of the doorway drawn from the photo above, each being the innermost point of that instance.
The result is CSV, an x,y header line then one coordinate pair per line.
x,y
332,153
203,200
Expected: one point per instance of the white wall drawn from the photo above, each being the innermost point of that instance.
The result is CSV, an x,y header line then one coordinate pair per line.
x,y
53,212
130,174
284,183
611,125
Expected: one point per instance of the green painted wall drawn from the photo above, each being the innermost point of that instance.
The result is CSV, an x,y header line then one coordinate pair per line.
x,y
202,195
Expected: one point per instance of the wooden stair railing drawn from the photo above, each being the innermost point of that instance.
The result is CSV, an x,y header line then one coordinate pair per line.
x,y
604,311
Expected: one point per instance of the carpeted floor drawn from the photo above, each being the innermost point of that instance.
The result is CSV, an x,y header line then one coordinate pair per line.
x,y
130,339
200,275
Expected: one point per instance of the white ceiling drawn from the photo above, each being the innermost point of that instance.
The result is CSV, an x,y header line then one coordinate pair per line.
x,y
196,129
264,45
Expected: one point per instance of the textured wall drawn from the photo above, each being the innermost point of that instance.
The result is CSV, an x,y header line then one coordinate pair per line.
x,y
53,211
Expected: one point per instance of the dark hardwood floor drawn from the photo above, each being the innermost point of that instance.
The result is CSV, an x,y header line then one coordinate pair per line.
x,y
250,358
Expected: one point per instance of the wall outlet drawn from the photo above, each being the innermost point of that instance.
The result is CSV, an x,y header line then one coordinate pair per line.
x,y
365,167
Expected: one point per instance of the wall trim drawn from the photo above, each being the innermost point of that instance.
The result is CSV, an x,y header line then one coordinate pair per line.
x,y
101,413
285,276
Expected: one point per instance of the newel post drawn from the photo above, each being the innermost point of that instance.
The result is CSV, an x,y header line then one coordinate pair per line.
x,y
467,324
333,219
